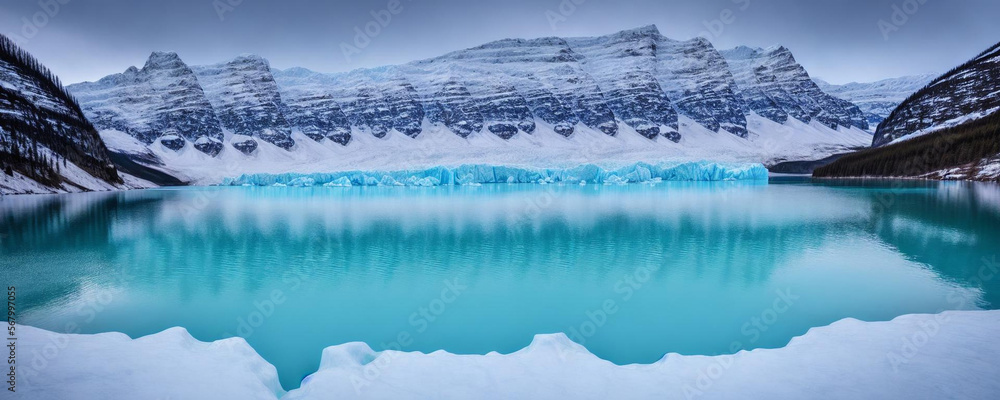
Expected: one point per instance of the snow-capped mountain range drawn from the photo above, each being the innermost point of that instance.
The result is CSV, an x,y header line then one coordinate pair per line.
x,y
630,96
877,99
774,85
163,100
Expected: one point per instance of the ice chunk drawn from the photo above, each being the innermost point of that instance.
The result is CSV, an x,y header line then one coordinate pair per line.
x,y
425,181
303,181
339,182
388,180
615,180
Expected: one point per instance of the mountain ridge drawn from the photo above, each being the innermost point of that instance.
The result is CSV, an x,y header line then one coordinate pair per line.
x,y
636,78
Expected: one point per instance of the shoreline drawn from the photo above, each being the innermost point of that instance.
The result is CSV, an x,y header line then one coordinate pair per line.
x,y
903,178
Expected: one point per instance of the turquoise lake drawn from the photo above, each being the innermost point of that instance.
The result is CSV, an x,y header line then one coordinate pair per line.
x,y
632,272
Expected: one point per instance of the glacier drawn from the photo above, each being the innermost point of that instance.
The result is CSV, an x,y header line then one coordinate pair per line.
x,y
950,355
471,174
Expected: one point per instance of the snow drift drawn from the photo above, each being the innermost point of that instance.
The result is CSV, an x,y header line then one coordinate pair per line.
x,y
948,355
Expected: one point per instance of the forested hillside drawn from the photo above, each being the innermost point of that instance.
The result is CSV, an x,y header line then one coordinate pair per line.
x,y
42,128
957,152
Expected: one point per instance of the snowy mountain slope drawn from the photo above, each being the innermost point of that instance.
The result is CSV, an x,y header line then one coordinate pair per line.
x,y
379,100
970,91
613,98
769,143
162,101
310,108
46,143
246,99
877,99
774,85
137,159
624,65
698,81
545,73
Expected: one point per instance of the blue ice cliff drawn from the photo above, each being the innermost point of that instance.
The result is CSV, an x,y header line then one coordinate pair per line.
x,y
481,173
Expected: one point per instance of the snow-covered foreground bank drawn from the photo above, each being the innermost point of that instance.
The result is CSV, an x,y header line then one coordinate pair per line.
x,y
950,355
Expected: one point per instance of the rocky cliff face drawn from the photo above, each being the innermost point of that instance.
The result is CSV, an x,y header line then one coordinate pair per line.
x,y
775,86
698,81
968,92
624,65
528,80
246,99
164,100
310,108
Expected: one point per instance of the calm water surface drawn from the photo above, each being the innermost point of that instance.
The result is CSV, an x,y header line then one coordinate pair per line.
x,y
632,272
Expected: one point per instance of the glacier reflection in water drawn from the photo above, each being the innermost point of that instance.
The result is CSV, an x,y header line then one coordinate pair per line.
x,y
630,271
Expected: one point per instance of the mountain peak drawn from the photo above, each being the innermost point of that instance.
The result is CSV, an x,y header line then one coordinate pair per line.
x,y
747,52
164,54
777,49
701,40
163,60
299,71
742,52
250,57
647,30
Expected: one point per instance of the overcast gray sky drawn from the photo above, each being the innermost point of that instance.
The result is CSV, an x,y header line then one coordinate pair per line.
x,y
840,41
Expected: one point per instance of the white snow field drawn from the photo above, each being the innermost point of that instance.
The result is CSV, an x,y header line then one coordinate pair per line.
x,y
769,142
952,355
